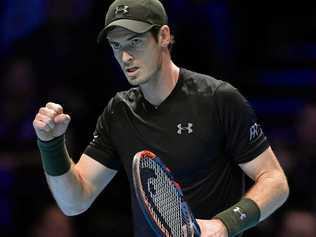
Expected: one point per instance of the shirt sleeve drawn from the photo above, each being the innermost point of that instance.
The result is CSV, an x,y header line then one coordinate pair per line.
x,y
244,138
101,147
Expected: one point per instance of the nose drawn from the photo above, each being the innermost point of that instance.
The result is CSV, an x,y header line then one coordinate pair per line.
x,y
126,57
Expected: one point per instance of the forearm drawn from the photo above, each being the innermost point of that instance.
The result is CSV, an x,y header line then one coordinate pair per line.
x,y
69,188
269,192
71,192
72,188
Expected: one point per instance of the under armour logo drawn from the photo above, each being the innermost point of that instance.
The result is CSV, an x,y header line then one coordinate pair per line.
x,y
242,215
188,128
122,9
95,137
254,131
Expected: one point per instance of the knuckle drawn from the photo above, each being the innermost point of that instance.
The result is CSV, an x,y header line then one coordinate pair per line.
x,y
41,110
54,113
38,116
48,112
48,104
57,108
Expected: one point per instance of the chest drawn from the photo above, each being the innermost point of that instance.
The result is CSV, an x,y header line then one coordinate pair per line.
x,y
185,135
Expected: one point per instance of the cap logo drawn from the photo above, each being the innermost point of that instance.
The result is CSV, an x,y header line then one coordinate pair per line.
x,y
122,10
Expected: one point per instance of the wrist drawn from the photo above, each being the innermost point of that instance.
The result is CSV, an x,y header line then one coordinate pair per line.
x,y
54,155
240,217
49,142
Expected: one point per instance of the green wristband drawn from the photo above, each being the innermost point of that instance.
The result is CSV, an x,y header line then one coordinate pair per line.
x,y
240,217
54,156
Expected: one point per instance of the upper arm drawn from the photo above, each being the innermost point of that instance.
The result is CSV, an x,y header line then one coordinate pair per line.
x,y
264,164
94,174
244,138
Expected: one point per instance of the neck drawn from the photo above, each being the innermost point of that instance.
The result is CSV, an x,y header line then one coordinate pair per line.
x,y
158,88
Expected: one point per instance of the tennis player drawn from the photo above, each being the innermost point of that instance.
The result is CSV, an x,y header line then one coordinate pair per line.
x,y
201,127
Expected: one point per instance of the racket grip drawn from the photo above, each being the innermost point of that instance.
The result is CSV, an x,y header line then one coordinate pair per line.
x,y
196,228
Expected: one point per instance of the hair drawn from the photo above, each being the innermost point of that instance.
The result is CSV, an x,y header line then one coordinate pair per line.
x,y
155,33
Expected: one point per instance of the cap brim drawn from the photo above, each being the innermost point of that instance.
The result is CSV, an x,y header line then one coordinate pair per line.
x,y
131,25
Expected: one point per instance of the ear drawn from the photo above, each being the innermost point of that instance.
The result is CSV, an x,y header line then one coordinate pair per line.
x,y
164,36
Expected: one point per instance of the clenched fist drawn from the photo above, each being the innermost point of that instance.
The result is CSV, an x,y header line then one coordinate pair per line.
x,y
50,122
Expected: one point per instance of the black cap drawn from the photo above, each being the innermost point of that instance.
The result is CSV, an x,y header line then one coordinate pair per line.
x,y
137,16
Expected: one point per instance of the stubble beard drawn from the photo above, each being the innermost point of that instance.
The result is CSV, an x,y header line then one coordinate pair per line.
x,y
144,79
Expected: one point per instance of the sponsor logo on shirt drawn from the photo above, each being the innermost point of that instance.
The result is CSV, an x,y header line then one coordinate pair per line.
x,y
254,132
95,137
185,129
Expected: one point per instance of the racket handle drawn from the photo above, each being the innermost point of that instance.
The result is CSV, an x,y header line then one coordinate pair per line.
x,y
196,228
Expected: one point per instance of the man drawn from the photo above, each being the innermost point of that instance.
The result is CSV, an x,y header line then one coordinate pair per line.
x,y
200,127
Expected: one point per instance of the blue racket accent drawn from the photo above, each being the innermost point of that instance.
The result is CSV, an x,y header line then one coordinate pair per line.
x,y
161,199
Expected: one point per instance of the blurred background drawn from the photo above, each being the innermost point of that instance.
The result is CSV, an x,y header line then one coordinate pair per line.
x,y
48,52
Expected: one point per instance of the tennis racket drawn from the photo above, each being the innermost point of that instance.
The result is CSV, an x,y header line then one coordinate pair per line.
x,y
161,199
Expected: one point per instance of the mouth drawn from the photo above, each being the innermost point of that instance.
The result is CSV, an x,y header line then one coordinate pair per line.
x,y
131,71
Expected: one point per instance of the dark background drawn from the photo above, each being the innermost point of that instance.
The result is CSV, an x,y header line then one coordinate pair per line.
x,y
48,52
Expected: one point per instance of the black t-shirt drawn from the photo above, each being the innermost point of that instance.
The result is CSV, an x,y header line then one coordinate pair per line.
x,y
202,131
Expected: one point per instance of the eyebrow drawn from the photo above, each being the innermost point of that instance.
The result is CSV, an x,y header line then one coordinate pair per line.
x,y
132,37
129,38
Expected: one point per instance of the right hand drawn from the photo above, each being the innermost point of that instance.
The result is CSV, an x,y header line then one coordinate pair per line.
x,y
50,122
212,228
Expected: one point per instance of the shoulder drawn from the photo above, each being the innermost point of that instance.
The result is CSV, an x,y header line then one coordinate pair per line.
x,y
128,98
205,83
221,92
120,101
228,94
194,82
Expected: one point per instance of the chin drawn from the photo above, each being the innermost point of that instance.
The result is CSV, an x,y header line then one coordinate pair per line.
x,y
137,81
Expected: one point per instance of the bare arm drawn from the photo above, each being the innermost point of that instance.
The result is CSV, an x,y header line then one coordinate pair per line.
x,y
76,190
271,189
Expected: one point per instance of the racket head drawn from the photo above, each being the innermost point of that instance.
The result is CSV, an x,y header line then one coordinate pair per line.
x,y
161,199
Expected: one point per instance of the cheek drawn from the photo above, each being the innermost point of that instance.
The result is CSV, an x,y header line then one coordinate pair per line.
x,y
117,57
152,58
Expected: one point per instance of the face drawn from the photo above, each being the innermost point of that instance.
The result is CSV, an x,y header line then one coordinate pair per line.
x,y
139,55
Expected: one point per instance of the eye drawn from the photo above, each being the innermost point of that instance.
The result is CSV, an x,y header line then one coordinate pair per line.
x,y
136,42
115,45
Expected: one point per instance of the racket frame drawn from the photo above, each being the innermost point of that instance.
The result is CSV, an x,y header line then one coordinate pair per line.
x,y
144,203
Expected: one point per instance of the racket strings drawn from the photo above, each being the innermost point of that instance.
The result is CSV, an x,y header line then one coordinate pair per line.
x,y
165,198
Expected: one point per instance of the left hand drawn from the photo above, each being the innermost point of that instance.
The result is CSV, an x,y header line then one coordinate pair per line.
x,y
212,228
